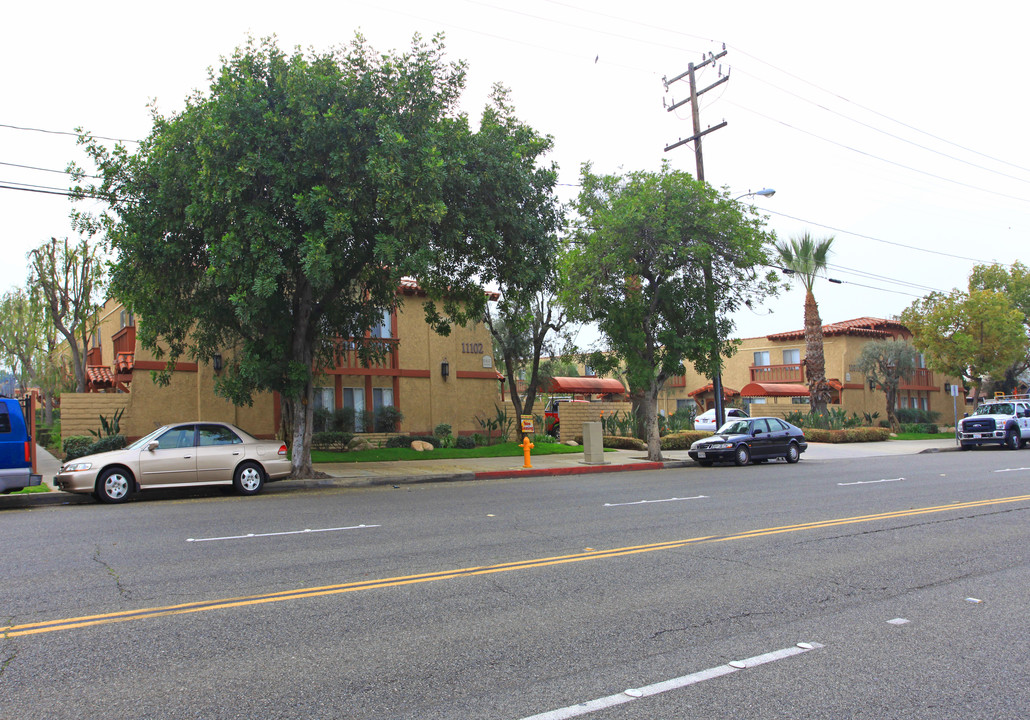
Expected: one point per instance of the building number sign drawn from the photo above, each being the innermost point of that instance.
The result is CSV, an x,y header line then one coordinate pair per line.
x,y
472,348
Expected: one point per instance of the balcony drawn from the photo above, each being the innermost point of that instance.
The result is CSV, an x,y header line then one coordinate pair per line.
x,y
94,357
792,373
348,354
920,379
125,340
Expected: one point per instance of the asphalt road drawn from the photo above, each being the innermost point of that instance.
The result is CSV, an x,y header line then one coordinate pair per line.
x,y
906,577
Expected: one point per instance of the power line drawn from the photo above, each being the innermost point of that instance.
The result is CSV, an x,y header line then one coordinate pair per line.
x,y
876,239
32,167
64,132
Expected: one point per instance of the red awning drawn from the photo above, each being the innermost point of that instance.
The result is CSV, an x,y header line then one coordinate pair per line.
x,y
586,386
726,391
774,390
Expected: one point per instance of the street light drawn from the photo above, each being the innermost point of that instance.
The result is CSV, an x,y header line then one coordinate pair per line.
x,y
767,192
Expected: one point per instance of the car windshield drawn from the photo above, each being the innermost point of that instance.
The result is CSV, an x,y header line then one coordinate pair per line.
x,y
734,427
142,442
995,409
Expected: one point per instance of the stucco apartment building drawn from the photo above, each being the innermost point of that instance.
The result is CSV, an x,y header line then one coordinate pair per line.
x,y
430,378
769,371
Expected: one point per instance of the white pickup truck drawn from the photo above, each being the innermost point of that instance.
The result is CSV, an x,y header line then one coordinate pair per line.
x,y
1002,421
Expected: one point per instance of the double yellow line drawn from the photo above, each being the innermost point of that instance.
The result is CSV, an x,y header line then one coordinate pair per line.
x,y
301,593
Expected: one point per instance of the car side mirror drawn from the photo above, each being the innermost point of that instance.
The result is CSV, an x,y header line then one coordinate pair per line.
x,y
152,445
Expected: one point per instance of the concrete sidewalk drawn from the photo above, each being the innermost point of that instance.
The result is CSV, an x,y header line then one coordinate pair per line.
x,y
436,470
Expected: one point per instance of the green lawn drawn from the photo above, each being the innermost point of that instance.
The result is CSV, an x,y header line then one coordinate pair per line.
x,y
924,436
390,454
41,488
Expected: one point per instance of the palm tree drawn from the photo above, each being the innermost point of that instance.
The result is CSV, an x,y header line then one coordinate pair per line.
x,y
806,257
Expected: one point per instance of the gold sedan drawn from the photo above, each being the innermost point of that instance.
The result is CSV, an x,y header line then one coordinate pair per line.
x,y
180,455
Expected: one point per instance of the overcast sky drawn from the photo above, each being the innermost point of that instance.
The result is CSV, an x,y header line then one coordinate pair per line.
x,y
897,127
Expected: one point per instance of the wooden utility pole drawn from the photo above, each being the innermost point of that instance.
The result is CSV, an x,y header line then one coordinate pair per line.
x,y
695,114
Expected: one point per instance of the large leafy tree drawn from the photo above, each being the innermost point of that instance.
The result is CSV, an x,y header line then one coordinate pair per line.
x,y
278,211
977,335
1014,282
637,263
28,342
805,257
885,363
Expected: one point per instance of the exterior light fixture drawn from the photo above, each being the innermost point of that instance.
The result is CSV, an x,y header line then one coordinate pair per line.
x,y
216,362
445,369
766,192
872,384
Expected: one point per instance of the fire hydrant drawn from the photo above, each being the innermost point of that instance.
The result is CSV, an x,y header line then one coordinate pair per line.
x,y
526,446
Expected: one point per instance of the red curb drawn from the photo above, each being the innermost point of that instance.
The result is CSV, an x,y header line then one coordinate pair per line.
x,y
530,472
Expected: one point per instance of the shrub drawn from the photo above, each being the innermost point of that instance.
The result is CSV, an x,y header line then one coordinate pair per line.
x,y
919,428
683,440
333,440
464,442
106,444
387,419
442,430
618,442
343,419
915,415
403,441
860,434
76,446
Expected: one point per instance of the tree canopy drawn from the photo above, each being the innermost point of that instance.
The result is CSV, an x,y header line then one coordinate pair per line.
x,y
278,211
978,334
641,248
885,363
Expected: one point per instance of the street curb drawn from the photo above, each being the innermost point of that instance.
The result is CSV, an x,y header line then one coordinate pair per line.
x,y
586,469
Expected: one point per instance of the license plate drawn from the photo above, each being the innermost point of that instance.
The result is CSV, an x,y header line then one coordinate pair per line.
x,y
700,454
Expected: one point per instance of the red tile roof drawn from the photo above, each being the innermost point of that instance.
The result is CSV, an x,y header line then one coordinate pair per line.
x,y
859,327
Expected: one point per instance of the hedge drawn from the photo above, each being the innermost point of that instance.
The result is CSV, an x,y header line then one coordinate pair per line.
x,y
861,434
683,440
333,440
618,442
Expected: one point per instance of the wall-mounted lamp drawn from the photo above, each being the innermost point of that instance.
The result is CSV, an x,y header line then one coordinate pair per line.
x,y
445,369
872,384
947,388
216,362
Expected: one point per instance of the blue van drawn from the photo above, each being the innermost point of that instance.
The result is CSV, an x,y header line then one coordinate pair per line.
x,y
15,449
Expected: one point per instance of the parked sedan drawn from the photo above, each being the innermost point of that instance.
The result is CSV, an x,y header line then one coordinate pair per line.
x,y
181,455
706,420
747,439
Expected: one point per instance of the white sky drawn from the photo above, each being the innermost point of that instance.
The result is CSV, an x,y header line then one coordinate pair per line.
x,y
827,103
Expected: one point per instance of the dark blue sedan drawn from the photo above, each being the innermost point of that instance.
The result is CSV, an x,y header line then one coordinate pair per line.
x,y
742,440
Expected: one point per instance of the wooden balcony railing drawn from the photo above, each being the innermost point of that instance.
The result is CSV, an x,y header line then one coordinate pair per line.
x,y
791,373
348,354
125,340
676,381
94,357
920,378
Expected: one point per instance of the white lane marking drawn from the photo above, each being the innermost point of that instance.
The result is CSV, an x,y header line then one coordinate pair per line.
x,y
871,482
288,532
632,694
645,502
898,621
1011,470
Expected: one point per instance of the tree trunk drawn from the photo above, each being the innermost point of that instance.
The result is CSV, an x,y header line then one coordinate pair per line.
x,y
815,362
892,413
654,440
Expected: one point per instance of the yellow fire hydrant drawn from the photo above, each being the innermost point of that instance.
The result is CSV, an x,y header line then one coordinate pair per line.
x,y
526,446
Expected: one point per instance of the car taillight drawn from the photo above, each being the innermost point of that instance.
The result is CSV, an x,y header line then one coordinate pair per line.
x,y
282,449
28,451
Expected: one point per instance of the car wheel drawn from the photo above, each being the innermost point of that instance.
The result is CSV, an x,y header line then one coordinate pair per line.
x,y
248,479
114,486
742,456
793,454
1012,440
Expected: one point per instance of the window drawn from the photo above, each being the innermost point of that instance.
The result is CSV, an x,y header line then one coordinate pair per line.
x,y
355,398
217,435
383,330
762,425
5,419
682,405
178,437
126,319
762,358
758,401
792,357
588,371
325,401
799,401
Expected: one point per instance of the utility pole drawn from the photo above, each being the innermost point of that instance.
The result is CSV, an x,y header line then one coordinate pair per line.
x,y
716,357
